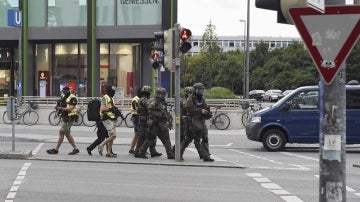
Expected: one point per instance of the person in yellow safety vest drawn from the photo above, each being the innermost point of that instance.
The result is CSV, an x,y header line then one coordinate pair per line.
x,y
108,115
69,115
135,119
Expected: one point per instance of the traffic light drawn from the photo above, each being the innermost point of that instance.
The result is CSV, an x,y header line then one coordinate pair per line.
x,y
184,36
168,47
281,6
156,60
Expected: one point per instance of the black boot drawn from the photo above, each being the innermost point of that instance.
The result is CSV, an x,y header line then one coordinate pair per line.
x,y
152,149
199,149
208,159
142,150
167,145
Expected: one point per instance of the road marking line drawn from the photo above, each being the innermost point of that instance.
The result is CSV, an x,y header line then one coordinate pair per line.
x,y
259,157
270,185
226,145
274,188
300,156
280,192
261,179
37,149
21,176
291,199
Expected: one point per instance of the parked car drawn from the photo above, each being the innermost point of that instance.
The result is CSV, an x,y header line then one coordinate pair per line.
x,y
273,95
256,94
287,92
296,119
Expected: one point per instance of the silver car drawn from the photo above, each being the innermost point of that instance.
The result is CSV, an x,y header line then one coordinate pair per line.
x,y
273,95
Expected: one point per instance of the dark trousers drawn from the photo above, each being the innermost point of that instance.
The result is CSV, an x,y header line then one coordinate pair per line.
x,y
101,133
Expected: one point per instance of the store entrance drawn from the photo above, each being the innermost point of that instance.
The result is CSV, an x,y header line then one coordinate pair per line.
x,y
8,72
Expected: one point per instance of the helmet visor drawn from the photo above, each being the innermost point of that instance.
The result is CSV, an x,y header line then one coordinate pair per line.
x,y
200,91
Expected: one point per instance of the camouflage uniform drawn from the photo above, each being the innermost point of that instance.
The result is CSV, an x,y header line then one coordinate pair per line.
x,y
198,111
159,123
143,128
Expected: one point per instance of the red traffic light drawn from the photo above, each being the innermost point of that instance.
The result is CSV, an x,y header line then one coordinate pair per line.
x,y
155,56
185,34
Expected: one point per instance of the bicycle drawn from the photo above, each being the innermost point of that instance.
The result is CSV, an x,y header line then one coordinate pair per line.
x,y
54,118
221,121
127,120
249,110
29,115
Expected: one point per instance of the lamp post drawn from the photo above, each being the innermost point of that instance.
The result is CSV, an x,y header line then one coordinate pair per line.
x,y
244,76
247,51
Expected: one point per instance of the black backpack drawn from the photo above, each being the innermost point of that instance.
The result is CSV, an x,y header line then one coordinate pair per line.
x,y
93,109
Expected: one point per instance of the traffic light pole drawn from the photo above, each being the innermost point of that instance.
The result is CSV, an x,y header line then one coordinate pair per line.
x,y
332,166
177,91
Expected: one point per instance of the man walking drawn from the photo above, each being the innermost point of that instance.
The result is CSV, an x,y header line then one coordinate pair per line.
x,y
159,122
108,115
68,114
198,111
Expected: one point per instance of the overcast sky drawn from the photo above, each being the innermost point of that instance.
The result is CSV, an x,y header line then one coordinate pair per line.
x,y
226,16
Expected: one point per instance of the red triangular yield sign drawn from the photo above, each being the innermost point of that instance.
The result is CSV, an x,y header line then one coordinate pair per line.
x,y
329,36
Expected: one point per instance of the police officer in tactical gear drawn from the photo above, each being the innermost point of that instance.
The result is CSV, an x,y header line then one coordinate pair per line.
x,y
68,113
185,119
198,111
142,112
159,122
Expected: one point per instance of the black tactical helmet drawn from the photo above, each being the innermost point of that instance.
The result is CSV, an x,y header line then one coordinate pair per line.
x,y
66,91
188,91
199,89
146,89
160,93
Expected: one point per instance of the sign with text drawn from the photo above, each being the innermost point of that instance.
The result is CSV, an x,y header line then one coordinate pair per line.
x,y
14,18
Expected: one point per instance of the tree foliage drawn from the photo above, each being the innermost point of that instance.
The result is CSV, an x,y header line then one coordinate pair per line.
x,y
280,68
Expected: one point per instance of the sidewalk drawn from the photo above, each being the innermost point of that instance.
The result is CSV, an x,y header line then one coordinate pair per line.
x,y
36,148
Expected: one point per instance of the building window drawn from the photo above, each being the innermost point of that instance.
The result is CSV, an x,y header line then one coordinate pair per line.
x,y
63,13
105,12
139,12
37,13
4,7
196,43
117,67
231,44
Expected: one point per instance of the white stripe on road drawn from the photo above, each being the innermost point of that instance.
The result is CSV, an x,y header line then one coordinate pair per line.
x,y
37,149
21,176
300,156
274,188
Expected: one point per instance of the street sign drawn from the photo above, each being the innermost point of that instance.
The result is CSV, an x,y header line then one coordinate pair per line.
x,y
317,5
329,37
14,18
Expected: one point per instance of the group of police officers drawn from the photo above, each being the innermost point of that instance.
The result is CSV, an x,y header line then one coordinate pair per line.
x,y
155,121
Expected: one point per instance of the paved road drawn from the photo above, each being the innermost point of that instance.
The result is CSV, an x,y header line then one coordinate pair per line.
x,y
242,170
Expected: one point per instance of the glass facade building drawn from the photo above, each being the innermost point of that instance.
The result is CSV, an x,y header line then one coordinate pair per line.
x,y
84,44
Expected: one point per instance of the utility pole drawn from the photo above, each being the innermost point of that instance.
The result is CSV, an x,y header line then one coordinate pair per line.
x,y
332,165
247,74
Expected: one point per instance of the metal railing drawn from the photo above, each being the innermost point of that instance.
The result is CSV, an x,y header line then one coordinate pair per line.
x,y
45,102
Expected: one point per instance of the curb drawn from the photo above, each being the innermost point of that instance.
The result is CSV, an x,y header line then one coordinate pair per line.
x,y
16,155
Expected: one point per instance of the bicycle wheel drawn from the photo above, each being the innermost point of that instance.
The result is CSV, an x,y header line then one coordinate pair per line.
x,y
128,120
5,118
30,117
245,117
54,118
79,120
118,122
86,122
222,121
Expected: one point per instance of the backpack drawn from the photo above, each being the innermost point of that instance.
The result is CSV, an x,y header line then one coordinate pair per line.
x,y
93,110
